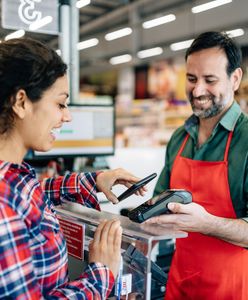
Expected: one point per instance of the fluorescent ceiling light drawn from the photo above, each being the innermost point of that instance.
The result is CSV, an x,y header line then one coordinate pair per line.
x,y
82,3
58,52
15,34
209,5
159,21
118,33
181,45
87,44
120,59
150,52
40,23
235,32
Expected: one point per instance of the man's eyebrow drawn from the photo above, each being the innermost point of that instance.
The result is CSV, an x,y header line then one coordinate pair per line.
x,y
206,76
189,74
211,75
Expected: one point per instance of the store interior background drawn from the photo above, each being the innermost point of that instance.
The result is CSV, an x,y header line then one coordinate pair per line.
x,y
148,92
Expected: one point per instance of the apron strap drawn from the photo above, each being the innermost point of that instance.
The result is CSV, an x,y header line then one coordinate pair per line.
x,y
226,150
228,145
183,144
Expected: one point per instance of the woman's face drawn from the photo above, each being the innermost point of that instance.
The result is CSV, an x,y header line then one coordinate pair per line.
x,y
46,117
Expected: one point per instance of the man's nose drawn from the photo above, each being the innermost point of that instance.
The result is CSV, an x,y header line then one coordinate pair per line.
x,y
199,89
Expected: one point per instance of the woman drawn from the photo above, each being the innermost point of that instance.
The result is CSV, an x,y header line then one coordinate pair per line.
x,y
33,258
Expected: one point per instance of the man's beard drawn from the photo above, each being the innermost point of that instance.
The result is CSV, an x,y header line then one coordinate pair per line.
x,y
216,107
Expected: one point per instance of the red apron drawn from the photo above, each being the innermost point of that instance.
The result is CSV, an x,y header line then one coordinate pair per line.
x,y
204,267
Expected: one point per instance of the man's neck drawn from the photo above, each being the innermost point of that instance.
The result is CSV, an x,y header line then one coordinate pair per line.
x,y
207,125
205,131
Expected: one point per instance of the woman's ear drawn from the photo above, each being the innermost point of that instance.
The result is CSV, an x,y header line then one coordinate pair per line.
x,y
237,76
20,106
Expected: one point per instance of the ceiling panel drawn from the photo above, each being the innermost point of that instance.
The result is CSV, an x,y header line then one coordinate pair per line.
x,y
103,16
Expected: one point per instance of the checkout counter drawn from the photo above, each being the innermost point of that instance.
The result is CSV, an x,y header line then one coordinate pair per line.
x,y
141,276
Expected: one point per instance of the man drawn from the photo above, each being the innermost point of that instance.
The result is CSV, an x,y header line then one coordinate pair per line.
x,y
209,157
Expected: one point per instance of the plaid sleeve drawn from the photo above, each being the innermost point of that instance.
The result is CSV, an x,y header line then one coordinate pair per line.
x,y
75,187
96,283
17,276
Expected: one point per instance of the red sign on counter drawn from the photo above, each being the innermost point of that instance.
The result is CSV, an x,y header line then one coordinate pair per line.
x,y
74,235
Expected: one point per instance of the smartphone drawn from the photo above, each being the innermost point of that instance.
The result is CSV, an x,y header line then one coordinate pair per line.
x,y
136,186
160,206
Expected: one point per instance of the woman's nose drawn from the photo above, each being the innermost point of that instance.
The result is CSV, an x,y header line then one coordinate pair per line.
x,y
67,115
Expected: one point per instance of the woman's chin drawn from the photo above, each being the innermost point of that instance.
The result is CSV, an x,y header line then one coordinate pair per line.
x,y
44,148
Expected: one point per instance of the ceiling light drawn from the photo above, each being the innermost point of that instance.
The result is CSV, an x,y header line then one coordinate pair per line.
x,y
120,59
235,32
159,21
40,23
181,45
150,52
87,44
15,35
58,52
82,3
118,33
209,5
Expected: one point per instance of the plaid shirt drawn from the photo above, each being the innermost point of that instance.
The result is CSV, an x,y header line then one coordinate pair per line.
x,y
33,256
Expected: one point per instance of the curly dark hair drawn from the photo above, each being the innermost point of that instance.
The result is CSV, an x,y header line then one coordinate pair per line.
x,y
222,41
29,65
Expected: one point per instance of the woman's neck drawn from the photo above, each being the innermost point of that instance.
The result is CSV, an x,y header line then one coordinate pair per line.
x,y
11,149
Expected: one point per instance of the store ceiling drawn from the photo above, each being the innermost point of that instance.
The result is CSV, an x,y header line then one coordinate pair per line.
x,y
103,16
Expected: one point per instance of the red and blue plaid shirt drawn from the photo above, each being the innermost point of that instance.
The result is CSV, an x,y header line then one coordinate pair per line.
x,y
33,256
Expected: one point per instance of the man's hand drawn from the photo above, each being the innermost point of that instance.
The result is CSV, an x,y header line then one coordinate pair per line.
x,y
106,245
107,179
193,217
190,217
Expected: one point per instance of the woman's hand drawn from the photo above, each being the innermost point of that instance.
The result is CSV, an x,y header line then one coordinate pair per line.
x,y
107,179
106,245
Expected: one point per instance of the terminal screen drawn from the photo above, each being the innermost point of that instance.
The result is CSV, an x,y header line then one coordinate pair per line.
x,y
91,132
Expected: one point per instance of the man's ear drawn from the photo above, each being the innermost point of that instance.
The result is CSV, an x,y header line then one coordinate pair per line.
x,y
21,102
237,76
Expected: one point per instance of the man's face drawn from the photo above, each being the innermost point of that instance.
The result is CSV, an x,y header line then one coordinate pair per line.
x,y
209,88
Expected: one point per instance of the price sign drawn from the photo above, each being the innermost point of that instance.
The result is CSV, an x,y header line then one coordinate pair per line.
x,y
74,235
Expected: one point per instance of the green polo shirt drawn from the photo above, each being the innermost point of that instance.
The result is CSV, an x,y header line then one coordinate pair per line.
x,y
213,150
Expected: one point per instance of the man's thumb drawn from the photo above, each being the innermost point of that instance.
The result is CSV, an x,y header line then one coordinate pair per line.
x,y
174,207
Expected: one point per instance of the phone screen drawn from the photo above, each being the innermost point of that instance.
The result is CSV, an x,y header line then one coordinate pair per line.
x,y
157,198
130,191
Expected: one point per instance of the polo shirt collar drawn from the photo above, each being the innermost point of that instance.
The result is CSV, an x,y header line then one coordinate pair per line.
x,y
230,118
